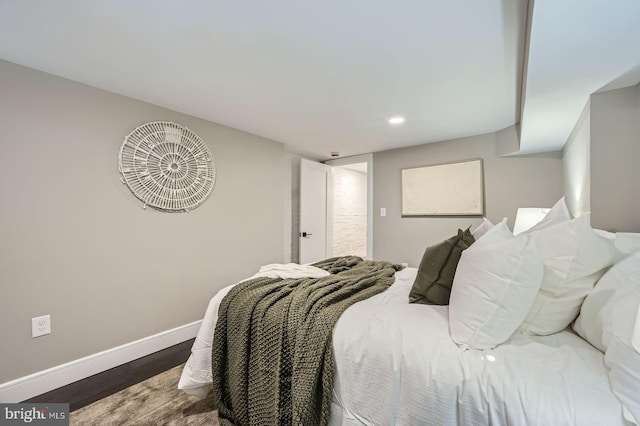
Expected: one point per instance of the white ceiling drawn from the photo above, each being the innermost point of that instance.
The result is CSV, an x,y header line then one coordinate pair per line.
x,y
325,76
577,47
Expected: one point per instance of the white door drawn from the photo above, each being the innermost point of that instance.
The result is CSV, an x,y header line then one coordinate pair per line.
x,y
315,209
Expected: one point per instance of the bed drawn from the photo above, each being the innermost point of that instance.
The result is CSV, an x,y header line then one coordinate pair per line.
x,y
401,363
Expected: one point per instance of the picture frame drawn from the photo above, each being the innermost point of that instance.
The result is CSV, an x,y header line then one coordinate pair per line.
x,y
446,189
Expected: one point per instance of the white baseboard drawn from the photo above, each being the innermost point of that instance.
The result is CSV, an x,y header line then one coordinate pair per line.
x,y
47,380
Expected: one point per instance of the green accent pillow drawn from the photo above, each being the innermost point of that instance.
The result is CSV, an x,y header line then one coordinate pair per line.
x,y
437,268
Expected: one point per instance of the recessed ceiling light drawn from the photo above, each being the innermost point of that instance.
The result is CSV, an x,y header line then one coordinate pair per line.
x,y
396,120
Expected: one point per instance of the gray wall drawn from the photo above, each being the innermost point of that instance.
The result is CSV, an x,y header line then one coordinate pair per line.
x,y
74,242
615,159
509,182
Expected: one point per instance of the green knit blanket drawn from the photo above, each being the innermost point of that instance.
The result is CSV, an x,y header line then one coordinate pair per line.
x,y
272,355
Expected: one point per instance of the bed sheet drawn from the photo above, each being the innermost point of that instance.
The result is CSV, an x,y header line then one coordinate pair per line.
x,y
196,376
396,365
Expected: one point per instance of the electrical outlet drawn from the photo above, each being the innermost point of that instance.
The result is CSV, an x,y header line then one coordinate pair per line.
x,y
40,326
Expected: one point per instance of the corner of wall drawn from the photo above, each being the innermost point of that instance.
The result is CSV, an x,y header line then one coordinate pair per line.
x,y
576,159
508,141
614,153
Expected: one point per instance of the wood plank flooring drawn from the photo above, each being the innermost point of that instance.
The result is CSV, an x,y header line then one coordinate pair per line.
x,y
101,385
155,401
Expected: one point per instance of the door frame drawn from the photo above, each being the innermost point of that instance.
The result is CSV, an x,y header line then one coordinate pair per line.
x,y
364,158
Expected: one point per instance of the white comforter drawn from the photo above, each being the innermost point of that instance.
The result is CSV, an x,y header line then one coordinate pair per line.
x,y
396,365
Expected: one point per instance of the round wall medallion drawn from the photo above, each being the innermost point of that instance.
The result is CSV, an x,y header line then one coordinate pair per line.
x,y
167,166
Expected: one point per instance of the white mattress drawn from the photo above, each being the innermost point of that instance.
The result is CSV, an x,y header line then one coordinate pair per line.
x,y
396,364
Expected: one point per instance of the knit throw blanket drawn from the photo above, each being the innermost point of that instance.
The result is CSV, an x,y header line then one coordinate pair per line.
x,y
272,358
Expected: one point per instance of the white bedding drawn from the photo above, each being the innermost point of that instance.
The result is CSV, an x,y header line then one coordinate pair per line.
x,y
396,364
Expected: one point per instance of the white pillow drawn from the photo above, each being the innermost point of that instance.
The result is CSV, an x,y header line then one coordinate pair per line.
x,y
608,320
495,234
624,375
495,283
635,339
559,213
615,297
627,242
606,234
482,228
574,258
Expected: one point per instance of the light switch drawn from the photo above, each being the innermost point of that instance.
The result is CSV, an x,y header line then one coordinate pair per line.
x,y
383,211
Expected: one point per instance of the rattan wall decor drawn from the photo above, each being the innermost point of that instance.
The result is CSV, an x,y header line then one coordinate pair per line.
x,y
167,166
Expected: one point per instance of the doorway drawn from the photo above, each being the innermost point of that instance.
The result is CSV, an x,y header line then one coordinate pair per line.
x,y
352,213
293,209
349,216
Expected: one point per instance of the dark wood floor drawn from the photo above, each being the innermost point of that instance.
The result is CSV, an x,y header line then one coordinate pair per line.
x,y
91,389
153,402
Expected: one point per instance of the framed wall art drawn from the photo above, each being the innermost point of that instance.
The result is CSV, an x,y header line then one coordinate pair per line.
x,y
450,189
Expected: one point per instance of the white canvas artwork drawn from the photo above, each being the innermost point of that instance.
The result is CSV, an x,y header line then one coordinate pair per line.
x,y
452,189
